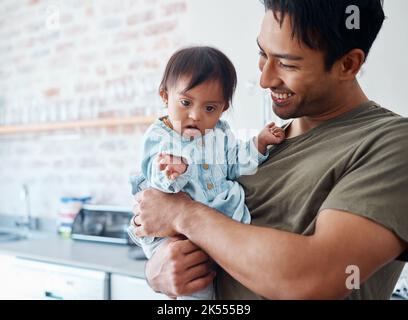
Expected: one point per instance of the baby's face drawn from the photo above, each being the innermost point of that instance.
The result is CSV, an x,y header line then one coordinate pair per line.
x,y
194,111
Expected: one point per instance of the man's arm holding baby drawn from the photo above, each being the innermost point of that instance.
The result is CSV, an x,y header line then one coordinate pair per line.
x,y
279,260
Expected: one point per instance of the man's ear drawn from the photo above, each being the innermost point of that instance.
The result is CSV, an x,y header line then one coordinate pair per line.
x,y
164,96
350,64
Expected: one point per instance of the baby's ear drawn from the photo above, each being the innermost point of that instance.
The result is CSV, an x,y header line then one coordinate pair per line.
x,y
164,96
226,107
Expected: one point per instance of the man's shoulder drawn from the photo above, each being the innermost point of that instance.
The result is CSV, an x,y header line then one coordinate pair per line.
x,y
391,124
375,122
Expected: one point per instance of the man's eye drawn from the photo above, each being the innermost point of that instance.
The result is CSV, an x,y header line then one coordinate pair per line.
x,y
262,54
210,108
185,103
286,66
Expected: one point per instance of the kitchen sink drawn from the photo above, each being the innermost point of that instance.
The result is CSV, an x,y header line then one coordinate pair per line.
x,y
6,236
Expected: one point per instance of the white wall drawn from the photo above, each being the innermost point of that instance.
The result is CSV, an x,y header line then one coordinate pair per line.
x,y
384,77
232,26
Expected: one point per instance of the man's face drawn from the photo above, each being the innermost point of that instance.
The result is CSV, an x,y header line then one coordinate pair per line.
x,y
293,72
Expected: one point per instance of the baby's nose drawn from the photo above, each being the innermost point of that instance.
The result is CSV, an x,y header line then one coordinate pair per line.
x,y
195,115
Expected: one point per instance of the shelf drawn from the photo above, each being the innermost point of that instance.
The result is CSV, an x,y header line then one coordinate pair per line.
x,y
97,123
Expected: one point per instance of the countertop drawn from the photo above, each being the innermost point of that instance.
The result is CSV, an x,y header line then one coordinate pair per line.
x,y
50,247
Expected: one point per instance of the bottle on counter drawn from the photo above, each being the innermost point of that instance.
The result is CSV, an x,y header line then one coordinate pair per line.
x,y
68,210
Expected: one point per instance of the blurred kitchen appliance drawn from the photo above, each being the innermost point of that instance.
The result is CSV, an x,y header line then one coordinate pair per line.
x,y
103,224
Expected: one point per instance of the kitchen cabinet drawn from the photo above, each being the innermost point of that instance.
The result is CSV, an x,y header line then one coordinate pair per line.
x,y
6,283
131,288
25,279
33,280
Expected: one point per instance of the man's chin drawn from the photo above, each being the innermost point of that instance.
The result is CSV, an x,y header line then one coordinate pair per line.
x,y
282,113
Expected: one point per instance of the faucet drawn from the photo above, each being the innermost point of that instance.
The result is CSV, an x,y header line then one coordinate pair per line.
x,y
27,221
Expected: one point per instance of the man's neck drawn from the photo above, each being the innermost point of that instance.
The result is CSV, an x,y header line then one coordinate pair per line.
x,y
302,125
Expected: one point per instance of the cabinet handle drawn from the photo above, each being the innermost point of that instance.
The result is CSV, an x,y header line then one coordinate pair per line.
x,y
51,295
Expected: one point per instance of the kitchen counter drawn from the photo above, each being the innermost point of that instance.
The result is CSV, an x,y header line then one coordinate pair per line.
x,y
49,247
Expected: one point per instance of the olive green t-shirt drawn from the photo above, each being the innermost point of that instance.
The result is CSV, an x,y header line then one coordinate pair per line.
x,y
357,163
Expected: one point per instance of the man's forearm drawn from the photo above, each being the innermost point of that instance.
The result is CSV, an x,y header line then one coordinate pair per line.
x,y
265,260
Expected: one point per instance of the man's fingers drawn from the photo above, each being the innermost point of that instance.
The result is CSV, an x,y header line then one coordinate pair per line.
x,y
199,283
136,221
196,257
139,231
135,208
177,238
198,271
186,246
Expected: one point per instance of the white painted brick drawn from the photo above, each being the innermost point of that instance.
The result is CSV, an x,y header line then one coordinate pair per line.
x,y
105,58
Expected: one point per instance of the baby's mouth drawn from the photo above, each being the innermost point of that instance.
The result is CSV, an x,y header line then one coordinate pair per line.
x,y
191,131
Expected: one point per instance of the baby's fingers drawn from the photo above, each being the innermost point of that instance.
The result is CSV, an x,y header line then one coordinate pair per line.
x,y
174,175
162,164
278,131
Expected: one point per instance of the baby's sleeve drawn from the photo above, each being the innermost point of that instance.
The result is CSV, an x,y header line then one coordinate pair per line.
x,y
155,142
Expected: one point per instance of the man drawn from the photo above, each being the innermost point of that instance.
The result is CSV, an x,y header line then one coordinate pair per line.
x,y
329,204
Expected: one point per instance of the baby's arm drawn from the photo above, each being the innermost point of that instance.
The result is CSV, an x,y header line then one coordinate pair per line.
x,y
243,158
270,134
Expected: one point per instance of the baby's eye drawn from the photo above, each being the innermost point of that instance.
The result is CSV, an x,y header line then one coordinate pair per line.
x,y
185,103
210,108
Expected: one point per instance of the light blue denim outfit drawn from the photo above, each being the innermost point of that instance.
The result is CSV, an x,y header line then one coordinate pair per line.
x,y
214,160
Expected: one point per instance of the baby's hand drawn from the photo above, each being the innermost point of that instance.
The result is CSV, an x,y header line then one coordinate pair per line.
x,y
172,166
270,134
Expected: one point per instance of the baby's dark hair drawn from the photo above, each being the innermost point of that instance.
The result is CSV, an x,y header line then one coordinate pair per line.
x,y
201,64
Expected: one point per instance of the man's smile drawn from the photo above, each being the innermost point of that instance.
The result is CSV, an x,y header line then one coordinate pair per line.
x,y
282,98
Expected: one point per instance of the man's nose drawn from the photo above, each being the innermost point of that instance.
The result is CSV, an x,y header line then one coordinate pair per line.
x,y
269,76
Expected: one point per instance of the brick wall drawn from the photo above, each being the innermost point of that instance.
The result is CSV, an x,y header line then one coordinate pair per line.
x,y
77,60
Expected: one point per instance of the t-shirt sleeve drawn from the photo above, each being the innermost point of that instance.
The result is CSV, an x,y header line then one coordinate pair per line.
x,y
375,182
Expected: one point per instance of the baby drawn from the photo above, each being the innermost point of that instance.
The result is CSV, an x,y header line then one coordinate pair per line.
x,y
191,149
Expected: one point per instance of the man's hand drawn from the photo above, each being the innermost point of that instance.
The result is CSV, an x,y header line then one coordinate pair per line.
x,y
172,166
179,268
270,134
157,213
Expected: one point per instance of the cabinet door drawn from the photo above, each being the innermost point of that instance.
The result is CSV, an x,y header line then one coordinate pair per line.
x,y
8,278
36,280
130,288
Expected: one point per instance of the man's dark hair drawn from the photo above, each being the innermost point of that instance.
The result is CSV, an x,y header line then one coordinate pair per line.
x,y
201,64
321,24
